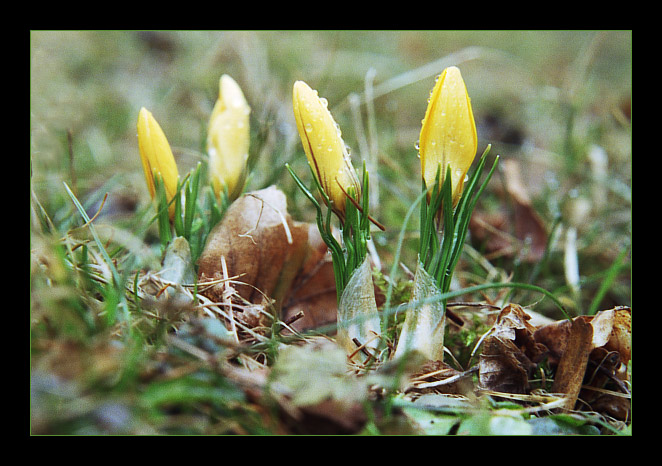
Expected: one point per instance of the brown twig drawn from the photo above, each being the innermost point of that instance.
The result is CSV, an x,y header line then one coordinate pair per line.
x,y
359,208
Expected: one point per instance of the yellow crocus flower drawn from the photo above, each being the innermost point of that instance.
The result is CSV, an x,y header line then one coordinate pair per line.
x,y
156,156
448,135
228,137
324,147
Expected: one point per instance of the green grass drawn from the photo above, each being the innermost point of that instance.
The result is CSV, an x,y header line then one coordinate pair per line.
x,y
103,359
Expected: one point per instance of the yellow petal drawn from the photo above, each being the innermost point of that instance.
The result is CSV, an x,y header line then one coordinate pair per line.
x,y
448,135
324,146
228,138
156,155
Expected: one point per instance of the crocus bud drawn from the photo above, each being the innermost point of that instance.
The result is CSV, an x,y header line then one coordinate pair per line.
x,y
448,135
324,147
228,137
156,156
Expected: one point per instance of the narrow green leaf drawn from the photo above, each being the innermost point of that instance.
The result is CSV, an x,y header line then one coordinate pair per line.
x,y
163,219
606,283
97,240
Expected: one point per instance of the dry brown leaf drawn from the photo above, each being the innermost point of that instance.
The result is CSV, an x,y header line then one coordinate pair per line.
x,y
509,352
611,329
503,367
314,289
328,417
621,333
261,245
322,396
588,353
572,366
529,227
616,407
270,255
524,232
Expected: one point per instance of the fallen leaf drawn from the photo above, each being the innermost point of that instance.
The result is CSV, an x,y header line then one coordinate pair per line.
x,y
317,371
590,361
325,398
328,417
509,352
602,389
503,367
524,234
261,245
572,366
529,227
621,333
313,292
555,337
611,329
616,407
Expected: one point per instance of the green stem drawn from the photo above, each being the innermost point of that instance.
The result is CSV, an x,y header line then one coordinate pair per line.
x,y
355,229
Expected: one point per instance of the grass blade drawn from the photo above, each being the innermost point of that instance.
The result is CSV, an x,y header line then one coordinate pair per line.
x,y
102,249
611,275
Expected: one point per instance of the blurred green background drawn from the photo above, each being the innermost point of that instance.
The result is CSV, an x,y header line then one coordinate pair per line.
x,y
544,98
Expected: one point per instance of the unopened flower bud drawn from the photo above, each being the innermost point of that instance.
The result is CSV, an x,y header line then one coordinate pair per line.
x,y
324,147
156,156
228,137
448,135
